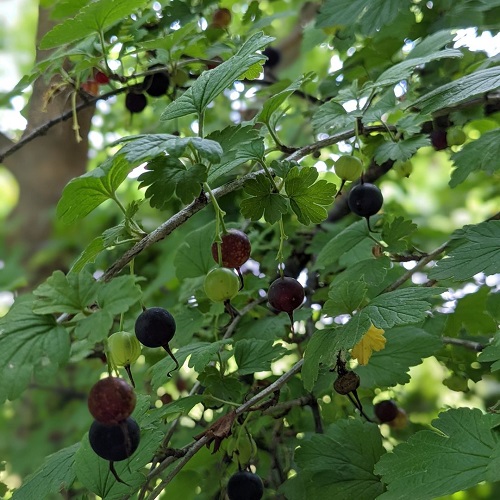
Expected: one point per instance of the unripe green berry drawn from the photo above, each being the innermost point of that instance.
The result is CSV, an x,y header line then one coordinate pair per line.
x,y
349,168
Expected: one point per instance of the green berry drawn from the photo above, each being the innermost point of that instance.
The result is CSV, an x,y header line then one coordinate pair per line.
x,y
221,284
349,168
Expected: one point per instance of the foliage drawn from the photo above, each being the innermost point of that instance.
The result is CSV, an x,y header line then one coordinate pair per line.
x,y
238,143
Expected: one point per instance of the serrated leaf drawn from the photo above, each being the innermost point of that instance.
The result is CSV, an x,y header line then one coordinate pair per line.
x,y
166,175
401,307
119,294
194,256
178,408
89,255
316,351
141,148
309,197
95,328
252,72
65,294
227,388
400,150
371,15
491,354
404,69
262,201
372,341
231,139
433,464
29,343
273,103
341,243
212,83
479,254
481,154
87,192
351,448
253,151
396,232
253,355
477,83
96,16
406,346
430,43
55,473
331,117
206,353
345,298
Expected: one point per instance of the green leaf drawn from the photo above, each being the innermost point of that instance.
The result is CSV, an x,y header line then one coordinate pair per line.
x,y
273,103
227,388
118,295
166,175
55,473
95,328
491,354
96,16
212,83
89,255
29,343
396,232
231,139
406,346
93,472
206,353
430,43
262,201
317,350
480,253
194,256
401,307
434,464
178,408
371,15
87,192
65,294
481,154
403,70
254,355
346,298
400,150
341,243
140,148
350,448
470,315
457,91
307,197
331,117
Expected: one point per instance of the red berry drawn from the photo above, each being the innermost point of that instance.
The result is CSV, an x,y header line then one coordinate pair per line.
x,y
285,294
235,249
101,78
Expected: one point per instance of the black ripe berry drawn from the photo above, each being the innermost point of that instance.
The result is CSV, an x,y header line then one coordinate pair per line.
x,y
156,84
346,383
135,103
439,140
111,400
365,199
386,411
273,57
115,442
155,327
286,294
245,486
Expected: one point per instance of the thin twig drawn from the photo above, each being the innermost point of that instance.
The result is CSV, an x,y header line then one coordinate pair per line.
x,y
468,344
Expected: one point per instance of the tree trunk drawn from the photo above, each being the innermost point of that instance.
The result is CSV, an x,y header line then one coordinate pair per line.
x,y
44,166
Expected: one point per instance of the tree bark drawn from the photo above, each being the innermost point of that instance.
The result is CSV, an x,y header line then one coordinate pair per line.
x,y
46,164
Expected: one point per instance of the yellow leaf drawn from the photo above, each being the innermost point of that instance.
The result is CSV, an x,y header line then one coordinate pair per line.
x,y
373,340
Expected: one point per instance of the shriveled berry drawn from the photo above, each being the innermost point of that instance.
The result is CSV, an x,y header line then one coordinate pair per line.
x,y
386,411
235,249
111,400
346,383
115,442
245,486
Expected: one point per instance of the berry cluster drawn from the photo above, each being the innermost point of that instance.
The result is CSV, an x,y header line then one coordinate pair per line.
x,y
154,84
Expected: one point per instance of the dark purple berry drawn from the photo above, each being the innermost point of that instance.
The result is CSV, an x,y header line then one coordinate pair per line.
x,y
273,57
365,199
156,84
115,442
135,103
439,140
386,411
245,486
155,327
285,294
